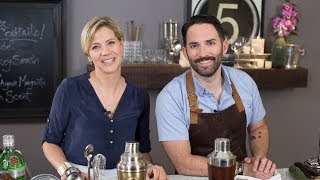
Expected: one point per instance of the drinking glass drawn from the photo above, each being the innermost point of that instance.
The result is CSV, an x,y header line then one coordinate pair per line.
x,y
132,52
160,56
237,47
148,56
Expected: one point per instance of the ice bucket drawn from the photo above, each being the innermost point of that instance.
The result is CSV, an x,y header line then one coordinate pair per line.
x,y
293,56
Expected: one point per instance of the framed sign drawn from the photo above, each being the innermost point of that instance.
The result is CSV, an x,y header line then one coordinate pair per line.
x,y
30,56
238,17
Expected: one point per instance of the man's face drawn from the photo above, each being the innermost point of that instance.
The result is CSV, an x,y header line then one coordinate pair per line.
x,y
204,49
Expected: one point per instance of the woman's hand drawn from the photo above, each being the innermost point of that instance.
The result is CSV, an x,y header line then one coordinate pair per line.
x,y
84,176
156,172
259,167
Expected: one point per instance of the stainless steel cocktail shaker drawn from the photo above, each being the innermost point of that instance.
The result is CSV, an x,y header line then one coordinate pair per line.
x,y
132,164
221,162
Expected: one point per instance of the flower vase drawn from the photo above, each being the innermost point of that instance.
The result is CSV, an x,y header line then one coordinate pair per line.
x,y
279,52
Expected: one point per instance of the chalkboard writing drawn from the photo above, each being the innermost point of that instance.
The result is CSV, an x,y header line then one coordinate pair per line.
x,y
30,57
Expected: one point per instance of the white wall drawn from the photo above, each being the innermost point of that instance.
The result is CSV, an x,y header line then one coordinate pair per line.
x,y
292,113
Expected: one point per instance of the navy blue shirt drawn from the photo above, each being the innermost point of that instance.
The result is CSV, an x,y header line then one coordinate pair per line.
x,y
77,118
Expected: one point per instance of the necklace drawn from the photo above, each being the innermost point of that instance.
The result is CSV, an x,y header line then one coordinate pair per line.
x,y
109,100
111,106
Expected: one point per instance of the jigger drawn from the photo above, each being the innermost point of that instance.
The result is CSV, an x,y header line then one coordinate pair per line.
x,y
98,165
88,154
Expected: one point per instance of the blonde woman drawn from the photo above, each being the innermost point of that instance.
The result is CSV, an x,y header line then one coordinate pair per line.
x,y
99,108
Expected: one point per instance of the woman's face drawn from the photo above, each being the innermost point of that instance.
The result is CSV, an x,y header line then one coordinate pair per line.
x,y
106,51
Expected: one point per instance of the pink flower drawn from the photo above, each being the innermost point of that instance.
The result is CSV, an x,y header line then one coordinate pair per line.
x,y
287,20
287,7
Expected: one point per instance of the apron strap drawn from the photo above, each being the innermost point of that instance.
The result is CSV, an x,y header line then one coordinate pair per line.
x,y
237,98
193,99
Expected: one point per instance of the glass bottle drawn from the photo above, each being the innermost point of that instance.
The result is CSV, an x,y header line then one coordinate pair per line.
x,y
11,160
279,51
5,176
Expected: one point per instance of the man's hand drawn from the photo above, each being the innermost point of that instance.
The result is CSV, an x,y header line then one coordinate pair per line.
x,y
157,172
259,167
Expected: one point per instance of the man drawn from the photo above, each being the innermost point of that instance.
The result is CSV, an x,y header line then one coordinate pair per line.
x,y
211,101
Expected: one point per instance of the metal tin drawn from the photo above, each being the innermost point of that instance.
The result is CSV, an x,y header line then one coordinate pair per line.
x,y
293,55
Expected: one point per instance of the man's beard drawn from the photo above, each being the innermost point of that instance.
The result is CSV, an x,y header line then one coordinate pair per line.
x,y
208,71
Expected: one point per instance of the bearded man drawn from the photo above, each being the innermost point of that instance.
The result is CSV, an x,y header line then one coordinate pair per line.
x,y
212,101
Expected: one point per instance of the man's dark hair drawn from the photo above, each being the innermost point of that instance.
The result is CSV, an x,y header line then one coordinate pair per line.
x,y
202,19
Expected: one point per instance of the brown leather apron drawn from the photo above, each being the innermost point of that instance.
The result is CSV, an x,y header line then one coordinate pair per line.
x,y
204,128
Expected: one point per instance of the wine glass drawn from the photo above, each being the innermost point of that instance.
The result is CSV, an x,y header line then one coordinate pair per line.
x,y
237,47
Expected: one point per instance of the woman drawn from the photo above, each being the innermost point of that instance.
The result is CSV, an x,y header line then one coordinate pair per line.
x,y
98,108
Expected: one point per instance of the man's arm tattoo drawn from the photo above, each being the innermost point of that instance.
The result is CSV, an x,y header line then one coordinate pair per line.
x,y
253,137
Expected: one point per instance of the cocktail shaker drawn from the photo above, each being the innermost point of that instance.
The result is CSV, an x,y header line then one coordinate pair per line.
x,y
221,162
132,164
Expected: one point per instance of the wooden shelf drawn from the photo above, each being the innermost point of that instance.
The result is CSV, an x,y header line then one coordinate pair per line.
x,y
156,76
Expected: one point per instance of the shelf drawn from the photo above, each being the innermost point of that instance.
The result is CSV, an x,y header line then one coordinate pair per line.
x,y
156,76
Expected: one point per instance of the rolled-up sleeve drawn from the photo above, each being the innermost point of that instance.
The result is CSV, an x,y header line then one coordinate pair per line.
x,y
58,117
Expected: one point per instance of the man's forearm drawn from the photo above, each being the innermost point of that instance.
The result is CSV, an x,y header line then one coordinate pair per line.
x,y
259,141
193,166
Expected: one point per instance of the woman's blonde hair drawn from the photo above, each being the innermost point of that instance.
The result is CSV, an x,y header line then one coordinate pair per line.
x,y
93,25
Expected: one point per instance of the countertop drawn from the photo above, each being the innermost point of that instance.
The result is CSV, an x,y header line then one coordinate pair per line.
x,y
112,175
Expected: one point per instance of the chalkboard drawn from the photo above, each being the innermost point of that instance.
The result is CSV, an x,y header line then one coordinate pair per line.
x,y
30,57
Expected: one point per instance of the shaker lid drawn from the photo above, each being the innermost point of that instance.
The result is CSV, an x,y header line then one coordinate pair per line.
x,y
222,144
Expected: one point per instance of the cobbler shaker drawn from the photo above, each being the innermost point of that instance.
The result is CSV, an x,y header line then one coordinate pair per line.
x,y
221,162
132,164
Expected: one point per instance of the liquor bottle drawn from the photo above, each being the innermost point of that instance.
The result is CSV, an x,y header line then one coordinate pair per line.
x,y
11,160
279,50
5,176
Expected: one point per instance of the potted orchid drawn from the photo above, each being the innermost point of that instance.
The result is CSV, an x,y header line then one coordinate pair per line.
x,y
287,21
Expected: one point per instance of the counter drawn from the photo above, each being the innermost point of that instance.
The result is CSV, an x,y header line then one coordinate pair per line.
x,y
112,175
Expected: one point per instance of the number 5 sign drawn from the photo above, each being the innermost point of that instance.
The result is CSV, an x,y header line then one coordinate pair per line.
x,y
238,17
